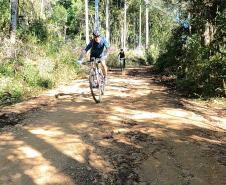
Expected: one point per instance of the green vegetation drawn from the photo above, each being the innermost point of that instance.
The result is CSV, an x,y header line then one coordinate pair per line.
x,y
196,56
41,58
36,67
49,37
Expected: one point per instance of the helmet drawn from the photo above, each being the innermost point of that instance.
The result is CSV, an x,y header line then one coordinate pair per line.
x,y
121,49
96,33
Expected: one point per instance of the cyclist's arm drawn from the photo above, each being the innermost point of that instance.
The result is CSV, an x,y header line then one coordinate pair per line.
x,y
88,47
106,48
82,54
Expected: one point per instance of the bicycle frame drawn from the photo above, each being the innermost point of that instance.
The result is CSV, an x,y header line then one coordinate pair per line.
x,y
122,63
95,63
96,80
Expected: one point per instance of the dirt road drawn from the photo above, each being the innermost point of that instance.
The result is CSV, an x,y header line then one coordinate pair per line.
x,y
141,134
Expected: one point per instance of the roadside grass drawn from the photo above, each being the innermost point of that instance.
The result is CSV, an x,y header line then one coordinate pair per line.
x,y
33,68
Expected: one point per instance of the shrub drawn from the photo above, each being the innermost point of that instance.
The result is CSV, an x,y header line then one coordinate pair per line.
x,y
7,69
30,75
45,83
38,28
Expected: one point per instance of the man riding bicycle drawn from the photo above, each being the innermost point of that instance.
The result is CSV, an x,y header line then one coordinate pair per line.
x,y
97,46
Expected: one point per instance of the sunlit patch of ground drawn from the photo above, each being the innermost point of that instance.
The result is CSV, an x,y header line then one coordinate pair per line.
x,y
139,125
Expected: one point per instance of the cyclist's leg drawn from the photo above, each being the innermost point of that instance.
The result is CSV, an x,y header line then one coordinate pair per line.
x,y
105,69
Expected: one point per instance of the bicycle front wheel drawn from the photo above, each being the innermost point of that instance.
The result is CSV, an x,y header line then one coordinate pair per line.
x,y
121,66
102,81
95,85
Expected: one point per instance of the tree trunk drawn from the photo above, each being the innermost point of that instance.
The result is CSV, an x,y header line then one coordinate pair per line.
x,y
107,22
14,14
140,26
125,26
134,31
147,24
122,36
42,9
208,34
96,15
189,19
87,21
224,87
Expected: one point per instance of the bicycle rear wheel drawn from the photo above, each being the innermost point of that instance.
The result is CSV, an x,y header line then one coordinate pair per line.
x,y
124,64
95,85
121,65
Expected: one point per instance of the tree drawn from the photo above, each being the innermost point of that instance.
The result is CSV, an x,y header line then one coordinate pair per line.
x,y
14,17
4,16
42,8
140,23
125,25
107,21
96,23
87,21
147,23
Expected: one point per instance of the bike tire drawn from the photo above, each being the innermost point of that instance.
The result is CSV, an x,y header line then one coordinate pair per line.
x,y
121,66
124,64
102,82
95,88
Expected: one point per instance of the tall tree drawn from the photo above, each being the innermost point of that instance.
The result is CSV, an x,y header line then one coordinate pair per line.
x,y
140,22
147,23
125,25
42,8
14,17
107,21
96,24
87,21
122,36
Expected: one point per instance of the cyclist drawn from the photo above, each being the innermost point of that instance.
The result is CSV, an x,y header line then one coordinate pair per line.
x,y
97,46
121,56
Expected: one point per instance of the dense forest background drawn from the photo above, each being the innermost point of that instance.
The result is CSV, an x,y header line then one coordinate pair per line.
x,y
40,41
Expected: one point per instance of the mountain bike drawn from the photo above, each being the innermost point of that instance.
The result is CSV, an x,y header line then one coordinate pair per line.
x,y
122,63
96,80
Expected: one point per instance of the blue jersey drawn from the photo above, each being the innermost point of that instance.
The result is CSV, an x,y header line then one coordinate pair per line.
x,y
97,49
